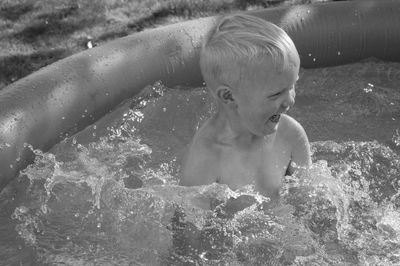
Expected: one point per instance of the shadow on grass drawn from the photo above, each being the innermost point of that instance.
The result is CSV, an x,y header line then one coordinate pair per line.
x,y
59,23
185,9
15,67
193,9
45,29
113,35
14,12
60,13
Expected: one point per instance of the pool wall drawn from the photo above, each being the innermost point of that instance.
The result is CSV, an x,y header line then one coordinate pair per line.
x,y
63,98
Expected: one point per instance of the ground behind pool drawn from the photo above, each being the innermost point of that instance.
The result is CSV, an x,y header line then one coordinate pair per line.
x,y
34,34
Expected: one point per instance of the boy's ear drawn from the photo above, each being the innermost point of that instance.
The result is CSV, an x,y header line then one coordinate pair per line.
x,y
224,94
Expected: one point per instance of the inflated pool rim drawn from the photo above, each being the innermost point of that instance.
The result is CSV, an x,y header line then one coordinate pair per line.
x,y
63,98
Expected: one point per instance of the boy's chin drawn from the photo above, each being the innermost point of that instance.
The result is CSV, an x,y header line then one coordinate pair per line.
x,y
270,128
265,132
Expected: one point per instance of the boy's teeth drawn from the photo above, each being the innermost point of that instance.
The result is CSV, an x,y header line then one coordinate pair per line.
x,y
275,118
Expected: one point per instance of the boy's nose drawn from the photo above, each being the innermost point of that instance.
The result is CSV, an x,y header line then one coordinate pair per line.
x,y
284,107
288,101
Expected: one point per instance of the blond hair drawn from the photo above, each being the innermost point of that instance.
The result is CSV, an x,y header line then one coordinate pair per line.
x,y
238,40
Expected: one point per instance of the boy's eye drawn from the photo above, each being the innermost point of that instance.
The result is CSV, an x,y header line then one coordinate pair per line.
x,y
275,95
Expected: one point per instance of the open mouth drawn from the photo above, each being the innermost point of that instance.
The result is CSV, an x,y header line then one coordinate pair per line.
x,y
275,118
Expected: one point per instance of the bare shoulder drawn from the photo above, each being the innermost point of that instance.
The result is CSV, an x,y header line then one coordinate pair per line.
x,y
294,133
199,160
291,129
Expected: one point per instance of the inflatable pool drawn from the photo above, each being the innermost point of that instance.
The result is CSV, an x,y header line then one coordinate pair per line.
x,y
65,97
108,194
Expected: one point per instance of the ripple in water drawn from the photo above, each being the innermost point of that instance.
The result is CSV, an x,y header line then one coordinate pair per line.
x,y
109,196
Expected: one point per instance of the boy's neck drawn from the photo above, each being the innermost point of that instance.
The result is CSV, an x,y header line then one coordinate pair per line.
x,y
232,133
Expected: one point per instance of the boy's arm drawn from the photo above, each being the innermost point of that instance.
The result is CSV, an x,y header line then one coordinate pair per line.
x,y
301,154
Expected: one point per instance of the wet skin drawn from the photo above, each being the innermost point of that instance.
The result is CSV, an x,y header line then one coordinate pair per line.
x,y
250,141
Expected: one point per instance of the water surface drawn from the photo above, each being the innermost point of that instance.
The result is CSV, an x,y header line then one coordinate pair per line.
x,y
109,195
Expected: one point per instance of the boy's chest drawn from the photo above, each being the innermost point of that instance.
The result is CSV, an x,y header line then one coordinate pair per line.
x,y
263,168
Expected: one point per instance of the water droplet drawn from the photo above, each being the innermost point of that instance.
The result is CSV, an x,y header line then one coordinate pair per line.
x,y
396,138
369,88
89,45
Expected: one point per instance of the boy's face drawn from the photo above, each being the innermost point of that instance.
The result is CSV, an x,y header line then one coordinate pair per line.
x,y
264,94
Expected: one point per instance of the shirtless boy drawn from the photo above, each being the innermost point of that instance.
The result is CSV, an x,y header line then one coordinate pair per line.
x,y
250,67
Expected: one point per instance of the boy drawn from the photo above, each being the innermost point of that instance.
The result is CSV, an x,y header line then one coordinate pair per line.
x,y
250,67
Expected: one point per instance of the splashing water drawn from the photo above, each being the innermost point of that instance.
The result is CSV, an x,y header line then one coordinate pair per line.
x,y
110,194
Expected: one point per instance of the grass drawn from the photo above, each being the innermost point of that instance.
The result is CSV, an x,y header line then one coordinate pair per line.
x,y
35,33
